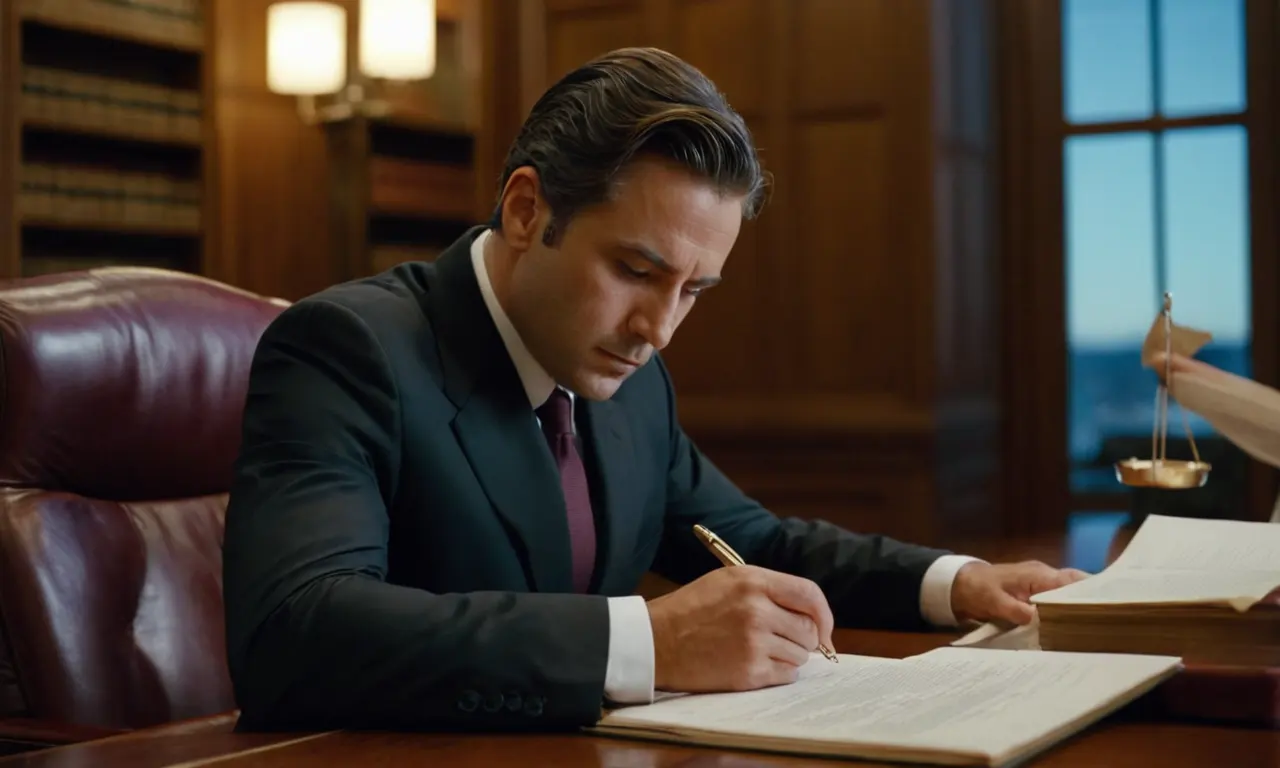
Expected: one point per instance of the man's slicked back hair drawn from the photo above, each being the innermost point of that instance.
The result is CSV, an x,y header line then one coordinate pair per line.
x,y
627,103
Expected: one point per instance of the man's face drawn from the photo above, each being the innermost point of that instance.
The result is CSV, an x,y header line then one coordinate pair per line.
x,y
594,306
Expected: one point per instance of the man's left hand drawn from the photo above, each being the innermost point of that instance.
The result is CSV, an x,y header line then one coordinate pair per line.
x,y
985,592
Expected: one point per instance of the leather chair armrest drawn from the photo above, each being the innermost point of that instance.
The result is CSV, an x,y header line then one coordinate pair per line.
x,y
50,733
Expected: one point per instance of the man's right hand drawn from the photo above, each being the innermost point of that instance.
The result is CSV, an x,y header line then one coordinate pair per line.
x,y
737,629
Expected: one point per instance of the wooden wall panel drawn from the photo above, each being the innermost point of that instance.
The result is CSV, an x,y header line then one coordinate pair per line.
x,y
574,35
724,39
272,171
558,35
851,302
274,198
495,53
839,61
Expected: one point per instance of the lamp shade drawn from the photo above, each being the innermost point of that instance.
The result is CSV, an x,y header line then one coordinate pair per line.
x,y
398,39
306,48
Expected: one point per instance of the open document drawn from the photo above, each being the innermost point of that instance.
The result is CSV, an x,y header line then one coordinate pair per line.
x,y
954,706
1184,561
1201,590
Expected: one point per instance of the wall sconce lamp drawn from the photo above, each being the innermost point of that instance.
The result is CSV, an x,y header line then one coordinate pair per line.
x,y
307,52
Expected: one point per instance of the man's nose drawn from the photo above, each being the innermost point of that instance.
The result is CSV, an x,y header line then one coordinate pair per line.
x,y
656,324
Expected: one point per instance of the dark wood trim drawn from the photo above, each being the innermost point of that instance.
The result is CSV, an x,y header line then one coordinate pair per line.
x,y
533,53
1013,140
1263,25
1154,124
489,44
839,414
1048,286
348,161
1034,308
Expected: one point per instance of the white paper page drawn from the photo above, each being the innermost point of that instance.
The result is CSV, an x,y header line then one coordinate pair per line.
x,y
1188,544
1238,589
958,699
1184,560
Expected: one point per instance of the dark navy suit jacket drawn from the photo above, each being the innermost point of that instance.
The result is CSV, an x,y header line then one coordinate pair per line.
x,y
396,552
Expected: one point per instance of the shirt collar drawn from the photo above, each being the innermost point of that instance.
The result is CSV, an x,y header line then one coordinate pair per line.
x,y
538,384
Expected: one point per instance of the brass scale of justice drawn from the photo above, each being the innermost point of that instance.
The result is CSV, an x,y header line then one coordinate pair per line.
x,y
1160,471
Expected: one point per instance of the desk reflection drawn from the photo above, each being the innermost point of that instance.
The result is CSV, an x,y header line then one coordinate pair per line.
x,y
654,755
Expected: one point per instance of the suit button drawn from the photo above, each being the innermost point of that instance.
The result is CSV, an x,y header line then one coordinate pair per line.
x,y
513,702
493,702
468,701
533,706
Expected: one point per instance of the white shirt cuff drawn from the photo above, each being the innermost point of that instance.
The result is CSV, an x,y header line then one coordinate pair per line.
x,y
628,675
935,589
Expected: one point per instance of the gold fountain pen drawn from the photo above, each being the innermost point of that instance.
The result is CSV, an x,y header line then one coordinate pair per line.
x,y
725,554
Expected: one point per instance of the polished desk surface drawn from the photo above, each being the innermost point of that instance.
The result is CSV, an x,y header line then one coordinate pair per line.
x,y
1116,742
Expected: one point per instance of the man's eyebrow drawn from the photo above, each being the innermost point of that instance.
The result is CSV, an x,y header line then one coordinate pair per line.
x,y
648,254
655,258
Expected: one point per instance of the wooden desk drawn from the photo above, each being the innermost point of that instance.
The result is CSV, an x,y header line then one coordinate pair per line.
x,y
1118,742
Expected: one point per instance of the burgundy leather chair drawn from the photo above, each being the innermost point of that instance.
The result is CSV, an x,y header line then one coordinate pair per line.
x,y
121,392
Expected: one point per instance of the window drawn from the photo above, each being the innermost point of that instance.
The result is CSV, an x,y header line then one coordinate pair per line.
x,y
1155,172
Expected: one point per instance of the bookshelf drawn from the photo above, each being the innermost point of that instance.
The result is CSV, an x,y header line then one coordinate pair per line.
x,y
404,184
403,190
105,135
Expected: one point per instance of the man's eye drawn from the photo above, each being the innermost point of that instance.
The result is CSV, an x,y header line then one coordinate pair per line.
x,y
631,271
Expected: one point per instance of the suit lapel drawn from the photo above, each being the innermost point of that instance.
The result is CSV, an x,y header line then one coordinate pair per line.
x,y
511,460
494,424
609,449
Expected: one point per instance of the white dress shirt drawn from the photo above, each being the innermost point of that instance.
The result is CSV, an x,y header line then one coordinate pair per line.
x,y
630,667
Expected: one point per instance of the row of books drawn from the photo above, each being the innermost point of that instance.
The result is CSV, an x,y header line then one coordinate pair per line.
x,y
88,207
189,10
46,263
415,188
93,101
73,194
178,20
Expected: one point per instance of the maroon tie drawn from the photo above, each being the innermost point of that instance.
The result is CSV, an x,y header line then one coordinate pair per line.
x,y
556,416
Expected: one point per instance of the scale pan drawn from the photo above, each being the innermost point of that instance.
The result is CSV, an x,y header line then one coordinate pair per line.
x,y
1166,473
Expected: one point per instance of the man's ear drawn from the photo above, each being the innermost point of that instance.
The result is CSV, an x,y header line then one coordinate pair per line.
x,y
523,209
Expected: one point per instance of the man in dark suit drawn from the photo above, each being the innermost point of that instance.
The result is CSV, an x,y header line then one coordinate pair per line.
x,y
453,475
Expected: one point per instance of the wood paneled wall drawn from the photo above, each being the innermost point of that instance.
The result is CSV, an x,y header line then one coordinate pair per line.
x,y
848,367
273,176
